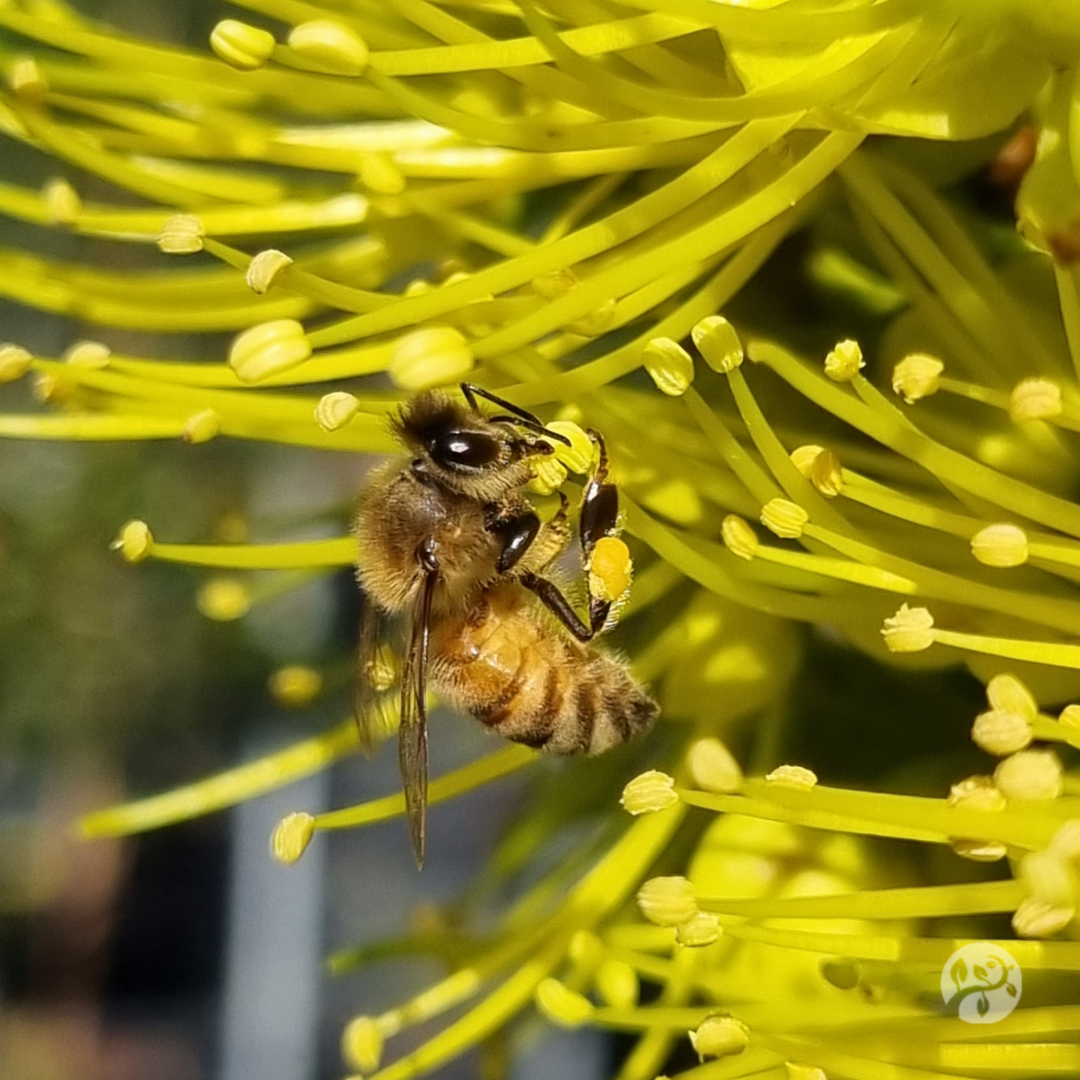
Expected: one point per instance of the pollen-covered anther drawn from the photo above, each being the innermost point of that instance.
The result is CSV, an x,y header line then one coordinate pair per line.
x,y
331,45
720,1036
15,362
917,376
977,793
26,79
578,456
135,541
362,1044
909,630
610,569
712,767
703,929
827,474
1001,732
93,355
241,45
792,776
1000,546
803,458
669,365
784,518
291,836
1030,775
715,338
432,356
269,349
62,202
844,362
667,901
649,792
738,537
223,599
595,322
1035,399
202,426
380,175
295,686
796,1070
264,268
548,476
334,410
1037,919
561,1005
182,234
617,984
1005,691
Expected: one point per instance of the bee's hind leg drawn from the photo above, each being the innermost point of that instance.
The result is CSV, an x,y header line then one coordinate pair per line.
x,y
599,518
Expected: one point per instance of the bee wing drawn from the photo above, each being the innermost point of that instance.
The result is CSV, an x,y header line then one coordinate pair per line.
x,y
376,666
412,734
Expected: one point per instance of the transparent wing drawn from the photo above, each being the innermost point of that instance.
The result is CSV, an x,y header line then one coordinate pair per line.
x,y
376,673
412,733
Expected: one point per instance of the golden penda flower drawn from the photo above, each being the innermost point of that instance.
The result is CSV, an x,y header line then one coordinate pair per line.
x,y
667,901
649,792
291,836
295,686
561,1005
1035,399
917,376
715,338
432,356
1001,732
1030,775
269,349
334,410
792,776
738,537
182,234
784,518
241,45
135,542
909,630
14,362
844,361
264,268
712,767
1000,546
610,569
223,599
331,45
720,1036
703,929
669,365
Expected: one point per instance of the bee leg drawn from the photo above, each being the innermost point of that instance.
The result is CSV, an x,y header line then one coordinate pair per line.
x,y
517,534
599,518
558,605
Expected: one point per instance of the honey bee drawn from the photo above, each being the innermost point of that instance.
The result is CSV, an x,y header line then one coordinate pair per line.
x,y
449,541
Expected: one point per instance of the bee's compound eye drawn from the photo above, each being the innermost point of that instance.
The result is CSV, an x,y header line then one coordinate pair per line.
x,y
464,450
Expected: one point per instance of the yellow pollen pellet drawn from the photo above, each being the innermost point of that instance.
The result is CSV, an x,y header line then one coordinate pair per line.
x,y
916,377
432,356
223,599
1035,399
182,234
844,362
610,569
295,686
784,518
264,269
738,537
333,411
135,541
909,630
1000,546
269,349
241,45
14,362
331,45
561,1005
715,338
720,1036
291,837
669,365
649,792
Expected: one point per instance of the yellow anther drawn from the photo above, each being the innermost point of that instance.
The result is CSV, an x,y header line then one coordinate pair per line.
x,y
703,929
649,792
713,768
561,1005
1065,843
26,79
333,411
739,538
223,599
1036,919
610,569
269,349
715,338
720,1036
380,175
264,268
793,776
784,518
977,793
201,426
979,850
94,355
14,362
586,949
432,356
844,362
1070,716
291,836
295,686
803,458
1000,732
548,476
797,1071
362,1044
182,234
557,283
417,287
821,467
330,45
241,45
62,201
909,630
51,389
669,365
1035,399
595,322
917,376
1049,878
1030,775
135,541
667,901
1006,691
578,456
1000,546
617,984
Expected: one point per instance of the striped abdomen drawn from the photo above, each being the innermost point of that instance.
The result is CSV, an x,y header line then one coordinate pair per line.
x,y
514,672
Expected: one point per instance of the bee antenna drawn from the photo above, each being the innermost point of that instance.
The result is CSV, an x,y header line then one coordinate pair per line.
x,y
520,417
